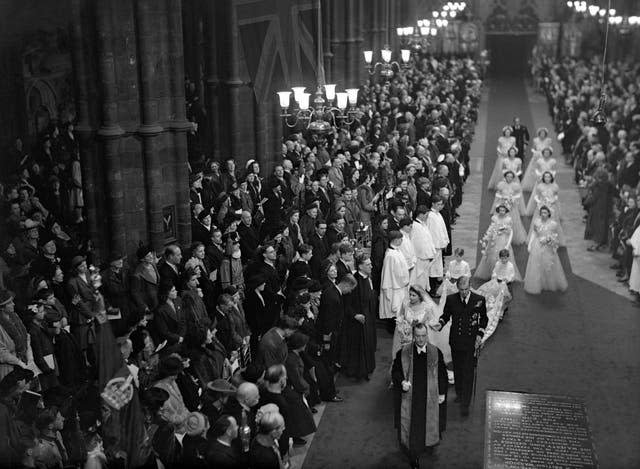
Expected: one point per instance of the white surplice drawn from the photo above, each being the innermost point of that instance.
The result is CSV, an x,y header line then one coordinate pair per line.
x,y
438,230
425,252
394,284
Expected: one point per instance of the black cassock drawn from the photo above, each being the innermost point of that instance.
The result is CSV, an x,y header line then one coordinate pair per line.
x,y
419,405
358,345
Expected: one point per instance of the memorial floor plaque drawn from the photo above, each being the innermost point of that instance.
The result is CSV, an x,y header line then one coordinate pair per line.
x,y
536,431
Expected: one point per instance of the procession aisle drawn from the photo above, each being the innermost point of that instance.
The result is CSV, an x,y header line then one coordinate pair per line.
x,y
569,344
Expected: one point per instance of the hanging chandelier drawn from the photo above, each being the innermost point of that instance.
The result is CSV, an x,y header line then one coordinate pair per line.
x,y
329,108
387,66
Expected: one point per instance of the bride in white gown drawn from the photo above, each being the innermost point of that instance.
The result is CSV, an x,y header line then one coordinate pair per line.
x,y
419,307
544,270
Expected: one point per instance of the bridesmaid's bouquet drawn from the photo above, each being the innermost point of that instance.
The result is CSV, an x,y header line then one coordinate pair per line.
x,y
550,240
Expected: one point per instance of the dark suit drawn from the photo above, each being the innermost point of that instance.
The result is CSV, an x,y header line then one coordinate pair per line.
x,y
299,269
272,349
330,316
144,289
320,252
249,241
343,269
521,134
468,322
169,275
170,323
81,313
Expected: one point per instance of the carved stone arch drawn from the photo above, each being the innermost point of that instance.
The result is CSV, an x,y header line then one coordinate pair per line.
x,y
42,105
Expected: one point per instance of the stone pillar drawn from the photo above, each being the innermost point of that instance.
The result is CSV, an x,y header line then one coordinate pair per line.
x,y
232,80
326,40
351,60
149,129
212,80
338,46
89,162
179,124
110,131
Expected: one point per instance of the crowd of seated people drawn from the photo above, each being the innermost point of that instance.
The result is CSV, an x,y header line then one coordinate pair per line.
x,y
217,353
605,154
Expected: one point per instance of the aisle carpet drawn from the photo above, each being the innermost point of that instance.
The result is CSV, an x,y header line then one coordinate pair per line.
x,y
584,342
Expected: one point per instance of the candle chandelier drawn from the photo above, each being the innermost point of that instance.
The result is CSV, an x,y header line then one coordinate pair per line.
x,y
328,109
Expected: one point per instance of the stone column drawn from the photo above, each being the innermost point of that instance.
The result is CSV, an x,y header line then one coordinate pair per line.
x,y
232,81
148,42
84,131
110,131
212,80
179,125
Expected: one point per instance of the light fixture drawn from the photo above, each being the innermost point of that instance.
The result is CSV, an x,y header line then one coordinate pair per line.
x,y
386,66
328,108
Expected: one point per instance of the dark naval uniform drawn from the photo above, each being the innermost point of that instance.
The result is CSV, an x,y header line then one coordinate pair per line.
x,y
468,321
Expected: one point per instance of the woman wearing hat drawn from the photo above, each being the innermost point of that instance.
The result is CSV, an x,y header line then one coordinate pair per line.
x,y
144,282
81,292
15,349
43,348
497,237
175,410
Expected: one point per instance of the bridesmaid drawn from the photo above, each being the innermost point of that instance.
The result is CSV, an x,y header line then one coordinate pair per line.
x,y
509,194
540,142
544,163
546,194
544,270
498,237
505,142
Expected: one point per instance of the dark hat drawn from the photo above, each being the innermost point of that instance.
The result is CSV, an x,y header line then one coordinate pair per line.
x,y
303,298
170,366
43,294
77,260
52,315
5,297
230,290
234,186
256,280
47,237
205,213
9,382
195,177
115,256
314,286
311,205
300,283
143,251
222,386
297,340
394,234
